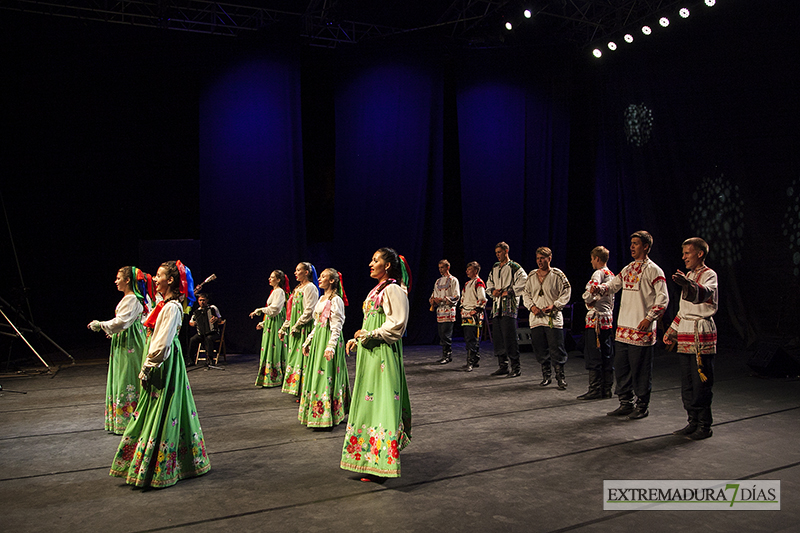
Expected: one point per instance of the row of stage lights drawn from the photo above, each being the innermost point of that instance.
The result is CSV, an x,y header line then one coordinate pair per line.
x,y
647,30
628,38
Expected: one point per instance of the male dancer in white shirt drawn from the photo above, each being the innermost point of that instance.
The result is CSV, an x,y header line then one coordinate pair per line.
x,y
546,293
505,284
696,334
644,300
443,300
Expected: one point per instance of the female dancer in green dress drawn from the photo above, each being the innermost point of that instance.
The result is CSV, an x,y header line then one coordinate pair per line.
x,y
325,396
298,325
379,423
164,443
273,351
127,348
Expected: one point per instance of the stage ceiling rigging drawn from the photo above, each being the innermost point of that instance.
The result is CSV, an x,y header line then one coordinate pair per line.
x,y
330,23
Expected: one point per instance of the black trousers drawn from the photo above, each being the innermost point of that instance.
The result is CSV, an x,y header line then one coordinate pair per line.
x,y
473,343
548,344
504,336
208,341
633,368
598,359
445,334
696,393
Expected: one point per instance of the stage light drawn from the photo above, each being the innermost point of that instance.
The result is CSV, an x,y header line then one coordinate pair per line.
x,y
597,53
684,13
710,3
628,38
509,26
527,13
612,45
664,21
646,30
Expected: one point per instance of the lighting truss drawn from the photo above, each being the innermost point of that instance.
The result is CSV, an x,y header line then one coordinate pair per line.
x,y
464,15
323,27
199,16
584,22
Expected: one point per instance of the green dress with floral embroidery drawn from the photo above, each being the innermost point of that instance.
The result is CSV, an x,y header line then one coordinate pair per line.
x,y
295,361
122,387
325,396
272,363
164,442
379,423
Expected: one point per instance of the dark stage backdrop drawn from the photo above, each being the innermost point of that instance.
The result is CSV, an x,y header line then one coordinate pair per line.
x,y
270,154
721,161
392,118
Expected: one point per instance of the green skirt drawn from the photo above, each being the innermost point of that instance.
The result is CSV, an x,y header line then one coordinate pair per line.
x,y
122,387
273,354
379,423
325,396
295,360
164,443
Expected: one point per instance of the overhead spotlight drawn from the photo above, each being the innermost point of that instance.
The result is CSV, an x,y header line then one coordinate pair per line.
x,y
527,13
684,13
628,38
664,21
612,45
646,30
597,53
509,27
710,3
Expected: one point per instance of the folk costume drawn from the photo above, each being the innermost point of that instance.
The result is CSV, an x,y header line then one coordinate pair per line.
x,y
446,288
510,277
547,330
644,295
472,303
325,396
696,334
296,328
598,350
272,361
379,423
127,349
164,442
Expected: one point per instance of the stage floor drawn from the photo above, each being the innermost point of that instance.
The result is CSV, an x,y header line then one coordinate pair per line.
x,y
487,454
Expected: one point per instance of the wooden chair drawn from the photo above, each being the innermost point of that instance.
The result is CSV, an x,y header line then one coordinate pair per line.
x,y
220,349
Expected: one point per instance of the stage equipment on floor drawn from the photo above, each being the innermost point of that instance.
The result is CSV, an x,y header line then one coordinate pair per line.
x,y
26,322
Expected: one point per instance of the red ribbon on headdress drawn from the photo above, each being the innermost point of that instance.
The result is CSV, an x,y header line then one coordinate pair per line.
x,y
341,287
184,283
407,271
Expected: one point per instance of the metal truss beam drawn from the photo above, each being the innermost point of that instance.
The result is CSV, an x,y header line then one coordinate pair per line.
x,y
464,15
184,15
583,22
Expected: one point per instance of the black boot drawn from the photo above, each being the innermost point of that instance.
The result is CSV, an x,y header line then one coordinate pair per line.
x,y
447,355
595,386
472,361
502,371
546,373
690,426
608,383
639,412
704,421
702,432
625,408
561,379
